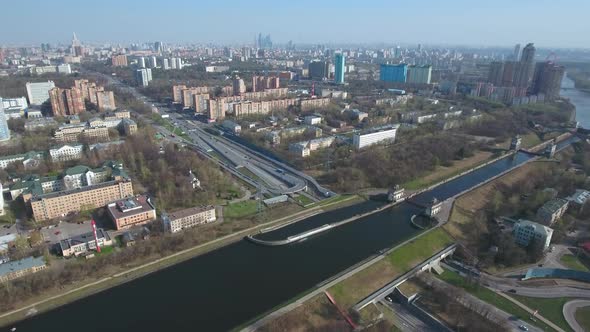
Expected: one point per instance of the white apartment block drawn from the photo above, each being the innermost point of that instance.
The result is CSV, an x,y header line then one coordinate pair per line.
x,y
66,152
191,217
386,134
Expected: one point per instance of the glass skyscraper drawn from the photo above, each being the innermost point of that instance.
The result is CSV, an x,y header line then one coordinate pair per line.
x,y
340,68
394,73
4,132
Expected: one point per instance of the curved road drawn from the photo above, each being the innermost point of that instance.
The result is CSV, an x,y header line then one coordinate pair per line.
x,y
569,312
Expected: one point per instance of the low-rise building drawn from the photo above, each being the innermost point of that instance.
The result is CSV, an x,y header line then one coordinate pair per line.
x,y
232,126
579,198
30,159
131,211
83,243
66,152
312,119
551,211
375,136
188,218
525,231
72,133
16,269
305,148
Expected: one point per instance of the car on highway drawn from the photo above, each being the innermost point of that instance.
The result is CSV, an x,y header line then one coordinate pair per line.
x,y
512,290
522,327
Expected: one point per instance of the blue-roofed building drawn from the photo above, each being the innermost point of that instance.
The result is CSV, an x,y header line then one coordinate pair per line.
x,y
16,269
394,73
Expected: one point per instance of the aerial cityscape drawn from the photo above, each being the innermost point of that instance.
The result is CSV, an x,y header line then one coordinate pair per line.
x,y
370,166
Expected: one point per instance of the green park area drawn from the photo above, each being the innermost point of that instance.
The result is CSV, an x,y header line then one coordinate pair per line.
x,y
583,318
573,263
240,209
360,285
552,308
492,298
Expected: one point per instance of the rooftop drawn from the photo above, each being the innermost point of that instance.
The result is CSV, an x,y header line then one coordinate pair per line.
x,y
189,212
579,197
84,238
130,206
539,228
23,264
553,205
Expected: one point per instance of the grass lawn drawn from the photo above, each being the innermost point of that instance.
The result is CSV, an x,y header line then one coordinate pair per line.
x,y
573,263
583,317
492,298
241,209
530,140
303,200
358,286
552,309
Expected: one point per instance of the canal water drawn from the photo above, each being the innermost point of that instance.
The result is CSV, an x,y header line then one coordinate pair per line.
x,y
229,286
234,284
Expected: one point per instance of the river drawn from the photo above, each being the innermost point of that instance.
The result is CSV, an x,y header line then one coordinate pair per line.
x,y
229,286
580,99
234,284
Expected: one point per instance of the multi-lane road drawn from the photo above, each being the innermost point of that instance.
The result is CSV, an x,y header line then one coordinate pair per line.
x,y
271,176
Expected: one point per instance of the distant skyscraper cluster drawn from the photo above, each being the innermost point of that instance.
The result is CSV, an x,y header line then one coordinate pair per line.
x,y
519,77
263,41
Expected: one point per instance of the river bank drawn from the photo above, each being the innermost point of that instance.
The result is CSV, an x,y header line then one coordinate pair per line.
x,y
79,291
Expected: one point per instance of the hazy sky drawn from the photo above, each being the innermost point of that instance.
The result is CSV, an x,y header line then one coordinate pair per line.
x,y
558,23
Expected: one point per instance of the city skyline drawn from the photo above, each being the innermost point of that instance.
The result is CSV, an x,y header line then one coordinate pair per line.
x,y
370,22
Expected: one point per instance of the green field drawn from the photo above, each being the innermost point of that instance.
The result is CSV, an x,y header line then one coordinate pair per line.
x,y
241,209
583,317
358,286
492,298
303,200
573,263
552,309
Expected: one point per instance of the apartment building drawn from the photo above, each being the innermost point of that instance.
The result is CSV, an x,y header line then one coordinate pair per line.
x,y
30,159
62,203
307,104
66,152
20,268
129,127
304,149
377,135
188,218
83,243
119,60
105,100
551,211
66,101
131,211
75,132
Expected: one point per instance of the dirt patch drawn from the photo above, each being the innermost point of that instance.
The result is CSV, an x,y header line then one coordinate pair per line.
x,y
317,314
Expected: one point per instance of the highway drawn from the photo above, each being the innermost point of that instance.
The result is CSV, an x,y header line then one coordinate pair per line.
x,y
271,176
407,321
495,313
